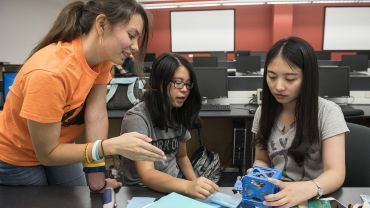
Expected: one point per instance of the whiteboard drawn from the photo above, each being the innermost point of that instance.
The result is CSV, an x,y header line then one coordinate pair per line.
x,y
202,31
23,24
347,28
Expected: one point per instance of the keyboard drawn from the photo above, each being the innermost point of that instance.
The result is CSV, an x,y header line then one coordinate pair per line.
x,y
350,111
358,74
213,107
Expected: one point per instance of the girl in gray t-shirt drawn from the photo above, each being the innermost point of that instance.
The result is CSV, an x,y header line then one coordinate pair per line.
x,y
171,106
295,130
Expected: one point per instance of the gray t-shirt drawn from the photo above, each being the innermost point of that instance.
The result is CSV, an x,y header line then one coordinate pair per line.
x,y
331,123
138,119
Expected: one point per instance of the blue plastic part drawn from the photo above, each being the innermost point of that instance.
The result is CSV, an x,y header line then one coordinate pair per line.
x,y
255,185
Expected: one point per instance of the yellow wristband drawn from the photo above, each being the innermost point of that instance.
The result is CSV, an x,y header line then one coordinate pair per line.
x,y
94,165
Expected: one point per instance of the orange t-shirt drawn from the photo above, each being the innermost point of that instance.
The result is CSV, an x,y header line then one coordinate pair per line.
x,y
51,86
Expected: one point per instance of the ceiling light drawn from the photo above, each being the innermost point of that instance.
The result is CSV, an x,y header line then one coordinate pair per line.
x,y
200,5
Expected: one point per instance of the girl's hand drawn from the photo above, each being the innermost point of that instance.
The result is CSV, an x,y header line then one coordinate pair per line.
x,y
201,188
290,194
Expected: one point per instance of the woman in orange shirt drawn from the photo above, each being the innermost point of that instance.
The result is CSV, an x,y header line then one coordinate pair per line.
x,y
60,92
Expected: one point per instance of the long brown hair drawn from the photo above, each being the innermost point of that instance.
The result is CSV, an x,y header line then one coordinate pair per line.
x,y
78,17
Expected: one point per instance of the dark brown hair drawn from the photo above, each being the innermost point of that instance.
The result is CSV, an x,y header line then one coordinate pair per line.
x,y
78,17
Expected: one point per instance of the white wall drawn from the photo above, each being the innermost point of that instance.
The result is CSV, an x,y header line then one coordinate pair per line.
x,y
23,23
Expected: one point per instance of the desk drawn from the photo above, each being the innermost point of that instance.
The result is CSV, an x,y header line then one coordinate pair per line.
x,y
80,197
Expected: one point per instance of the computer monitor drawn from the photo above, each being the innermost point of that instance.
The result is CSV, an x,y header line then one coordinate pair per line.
x,y
334,81
149,57
8,79
212,81
242,53
329,63
221,56
261,54
367,53
248,64
207,61
323,55
355,62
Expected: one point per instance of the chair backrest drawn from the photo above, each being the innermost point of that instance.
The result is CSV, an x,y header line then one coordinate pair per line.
x,y
357,156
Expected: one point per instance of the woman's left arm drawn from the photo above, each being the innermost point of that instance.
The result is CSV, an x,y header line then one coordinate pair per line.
x,y
331,179
96,124
184,162
96,116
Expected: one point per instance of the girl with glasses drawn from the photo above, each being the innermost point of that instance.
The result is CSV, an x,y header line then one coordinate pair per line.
x,y
171,106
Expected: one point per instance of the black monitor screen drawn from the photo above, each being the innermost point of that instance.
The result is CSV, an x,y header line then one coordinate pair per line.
x,y
149,57
242,53
323,55
355,62
261,54
208,61
333,81
221,56
248,64
367,53
329,63
212,81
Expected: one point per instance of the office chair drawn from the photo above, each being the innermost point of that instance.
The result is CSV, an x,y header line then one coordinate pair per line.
x,y
357,156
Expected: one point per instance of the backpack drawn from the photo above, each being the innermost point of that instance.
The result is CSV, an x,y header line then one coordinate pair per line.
x,y
206,163
125,92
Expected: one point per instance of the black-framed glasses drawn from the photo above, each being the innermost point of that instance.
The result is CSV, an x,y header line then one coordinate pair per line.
x,y
180,84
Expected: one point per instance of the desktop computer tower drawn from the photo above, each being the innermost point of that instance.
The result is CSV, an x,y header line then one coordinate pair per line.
x,y
240,136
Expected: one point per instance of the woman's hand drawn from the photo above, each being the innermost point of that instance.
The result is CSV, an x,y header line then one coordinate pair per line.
x,y
290,194
201,188
134,146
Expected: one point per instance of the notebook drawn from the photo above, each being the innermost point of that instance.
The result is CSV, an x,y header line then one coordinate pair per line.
x,y
179,201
